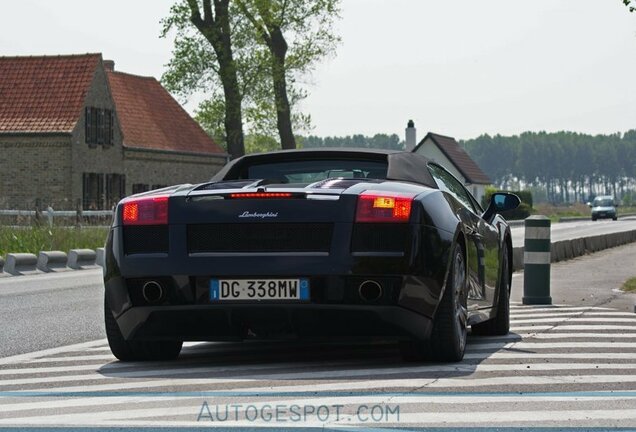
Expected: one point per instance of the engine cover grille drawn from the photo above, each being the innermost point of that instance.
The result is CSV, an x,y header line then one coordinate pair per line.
x,y
261,237
379,237
145,239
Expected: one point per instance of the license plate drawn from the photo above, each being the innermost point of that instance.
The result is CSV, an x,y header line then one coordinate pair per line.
x,y
258,289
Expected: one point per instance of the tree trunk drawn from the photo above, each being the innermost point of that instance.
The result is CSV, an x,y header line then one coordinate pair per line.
x,y
233,113
216,29
278,48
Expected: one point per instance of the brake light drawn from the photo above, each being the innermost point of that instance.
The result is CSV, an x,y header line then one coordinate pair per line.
x,y
146,211
261,195
379,206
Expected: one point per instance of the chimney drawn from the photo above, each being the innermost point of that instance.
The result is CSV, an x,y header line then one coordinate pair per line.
x,y
109,65
410,140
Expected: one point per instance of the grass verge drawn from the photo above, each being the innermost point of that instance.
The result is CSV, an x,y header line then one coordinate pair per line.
x,y
630,285
34,239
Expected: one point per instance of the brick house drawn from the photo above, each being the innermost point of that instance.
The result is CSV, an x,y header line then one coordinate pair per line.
x,y
75,131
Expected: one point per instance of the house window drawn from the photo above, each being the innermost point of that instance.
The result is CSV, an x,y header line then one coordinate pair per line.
x,y
102,191
139,188
92,191
98,126
115,189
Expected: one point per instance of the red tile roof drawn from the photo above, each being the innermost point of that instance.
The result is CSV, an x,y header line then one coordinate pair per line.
x,y
458,157
151,118
44,93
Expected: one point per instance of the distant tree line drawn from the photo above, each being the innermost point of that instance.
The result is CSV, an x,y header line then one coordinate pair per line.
x,y
377,141
564,166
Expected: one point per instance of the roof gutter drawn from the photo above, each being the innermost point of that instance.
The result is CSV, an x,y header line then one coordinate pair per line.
x,y
225,156
35,133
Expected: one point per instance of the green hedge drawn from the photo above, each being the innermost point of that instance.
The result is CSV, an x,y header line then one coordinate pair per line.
x,y
523,211
34,239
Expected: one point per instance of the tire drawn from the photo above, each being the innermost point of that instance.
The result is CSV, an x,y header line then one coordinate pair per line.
x,y
593,219
137,350
614,218
449,333
500,324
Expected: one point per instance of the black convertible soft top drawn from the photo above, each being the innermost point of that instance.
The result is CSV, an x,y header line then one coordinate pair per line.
x,y
402,166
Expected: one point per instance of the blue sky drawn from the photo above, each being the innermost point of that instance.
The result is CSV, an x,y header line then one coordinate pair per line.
x,y
460,68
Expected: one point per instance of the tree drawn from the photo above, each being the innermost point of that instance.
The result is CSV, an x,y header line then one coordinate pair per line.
x,y
215,27
631,4
309,25
195,69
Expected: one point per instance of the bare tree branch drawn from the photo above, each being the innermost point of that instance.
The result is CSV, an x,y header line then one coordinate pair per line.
x,y
208,17
195,17
262,31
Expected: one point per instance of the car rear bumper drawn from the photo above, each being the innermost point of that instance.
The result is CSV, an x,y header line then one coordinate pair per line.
x,y
604,215
271,321
335,310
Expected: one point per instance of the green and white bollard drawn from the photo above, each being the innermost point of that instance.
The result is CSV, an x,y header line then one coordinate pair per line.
x,y
536,261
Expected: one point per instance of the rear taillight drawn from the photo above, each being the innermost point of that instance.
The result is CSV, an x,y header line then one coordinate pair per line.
x,y
376,206
146,211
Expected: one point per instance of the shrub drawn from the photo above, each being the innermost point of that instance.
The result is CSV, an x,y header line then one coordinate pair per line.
x,y
523,211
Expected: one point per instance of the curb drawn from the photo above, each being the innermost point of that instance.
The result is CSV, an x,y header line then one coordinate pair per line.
x,y
567,249
80,258
101,256
50,261
19,263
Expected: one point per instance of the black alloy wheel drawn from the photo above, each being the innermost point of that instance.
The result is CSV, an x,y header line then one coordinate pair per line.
x,y
500,324
449,334
137,350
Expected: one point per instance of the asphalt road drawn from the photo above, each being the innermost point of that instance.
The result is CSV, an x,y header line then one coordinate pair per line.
x,y
559,367
590,280
49,310
578,229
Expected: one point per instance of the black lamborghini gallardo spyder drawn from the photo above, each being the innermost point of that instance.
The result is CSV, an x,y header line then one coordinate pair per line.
x,y
309,244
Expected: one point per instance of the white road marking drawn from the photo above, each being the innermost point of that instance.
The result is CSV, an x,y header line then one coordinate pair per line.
x,y
520,309
550,345
575,319
579,314
379,398
537,356
330,374
106,357
570,327
501,417
512,370
51,351
555,335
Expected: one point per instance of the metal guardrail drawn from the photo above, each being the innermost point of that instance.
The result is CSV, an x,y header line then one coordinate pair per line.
x,y
60,213
49,215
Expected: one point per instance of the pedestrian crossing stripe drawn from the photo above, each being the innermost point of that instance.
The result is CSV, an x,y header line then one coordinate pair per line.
x,y
561,366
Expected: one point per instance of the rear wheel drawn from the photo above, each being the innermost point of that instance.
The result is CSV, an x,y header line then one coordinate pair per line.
x,y
500,324
137,350
448,337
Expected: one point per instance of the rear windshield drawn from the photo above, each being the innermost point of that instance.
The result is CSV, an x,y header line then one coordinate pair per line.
x,y
603,202
310,171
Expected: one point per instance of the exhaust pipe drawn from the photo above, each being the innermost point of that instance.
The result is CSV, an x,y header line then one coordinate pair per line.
x,y
370,290
152,291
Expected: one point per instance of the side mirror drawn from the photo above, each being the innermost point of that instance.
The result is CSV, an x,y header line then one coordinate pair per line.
x,y
501,202
589,204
